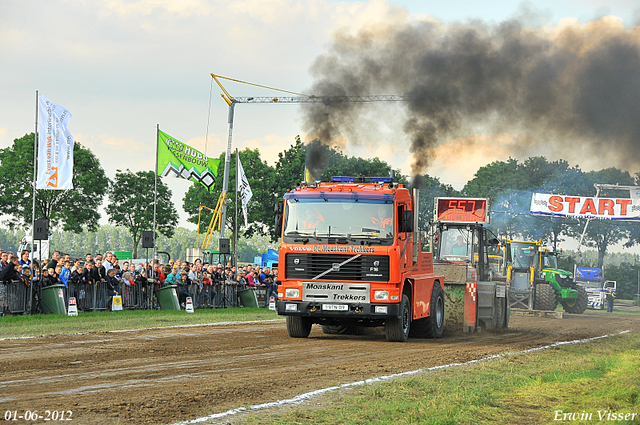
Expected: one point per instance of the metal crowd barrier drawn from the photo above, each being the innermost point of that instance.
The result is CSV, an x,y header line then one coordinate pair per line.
x,y
136,296
15,297
203,296
85,296
227,294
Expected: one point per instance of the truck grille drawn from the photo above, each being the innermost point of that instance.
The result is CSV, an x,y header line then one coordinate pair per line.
x,y
367,268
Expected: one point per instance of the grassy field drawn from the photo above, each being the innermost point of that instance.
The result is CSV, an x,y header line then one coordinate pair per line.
x,y
36,325
589,381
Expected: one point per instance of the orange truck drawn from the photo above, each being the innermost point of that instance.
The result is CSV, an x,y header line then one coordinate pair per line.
x,y
350,257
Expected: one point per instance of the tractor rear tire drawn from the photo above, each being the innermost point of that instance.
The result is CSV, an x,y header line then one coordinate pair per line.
x,y
545,298
298,326
432,326
580,304
396,329
502,313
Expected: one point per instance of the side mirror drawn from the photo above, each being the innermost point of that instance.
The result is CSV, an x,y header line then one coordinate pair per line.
x,y
494,242
278,208
407,221
278,226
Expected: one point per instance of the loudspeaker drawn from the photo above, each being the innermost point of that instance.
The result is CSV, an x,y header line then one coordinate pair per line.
x,y
147,238
41,230
224,247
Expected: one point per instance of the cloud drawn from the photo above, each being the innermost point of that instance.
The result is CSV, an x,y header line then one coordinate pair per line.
x,y
123,66
571,87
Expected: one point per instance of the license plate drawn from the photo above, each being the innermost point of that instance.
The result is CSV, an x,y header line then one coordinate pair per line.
x,y
335,307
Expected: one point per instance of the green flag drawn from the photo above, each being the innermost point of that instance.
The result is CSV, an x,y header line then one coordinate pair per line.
x,y
179,160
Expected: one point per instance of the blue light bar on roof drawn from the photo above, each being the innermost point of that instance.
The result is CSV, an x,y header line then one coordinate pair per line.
x,y
350,179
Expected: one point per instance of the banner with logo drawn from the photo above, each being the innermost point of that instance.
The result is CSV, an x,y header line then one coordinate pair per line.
x,y
182,161
244,189
584,207
55,147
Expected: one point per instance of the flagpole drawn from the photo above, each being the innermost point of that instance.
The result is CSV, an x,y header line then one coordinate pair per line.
x,y
235,231
155,193
227,162
35,174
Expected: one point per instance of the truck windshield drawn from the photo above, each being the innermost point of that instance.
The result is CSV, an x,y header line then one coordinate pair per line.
x,y
329,218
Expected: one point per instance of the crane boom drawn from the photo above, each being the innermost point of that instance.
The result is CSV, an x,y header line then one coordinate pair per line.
x,y
321,99
296,98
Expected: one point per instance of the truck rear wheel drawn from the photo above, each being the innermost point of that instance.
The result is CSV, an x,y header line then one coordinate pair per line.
x,y
298,326
578,305
545,298
396,329
432,326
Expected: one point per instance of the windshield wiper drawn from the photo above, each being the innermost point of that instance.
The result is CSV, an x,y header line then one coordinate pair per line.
x,y
371,239
298,233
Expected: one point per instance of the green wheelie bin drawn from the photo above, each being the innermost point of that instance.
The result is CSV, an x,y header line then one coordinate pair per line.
x,y
53,300
248,297
168,297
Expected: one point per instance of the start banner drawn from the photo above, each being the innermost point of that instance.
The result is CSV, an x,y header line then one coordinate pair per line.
x,y
585,207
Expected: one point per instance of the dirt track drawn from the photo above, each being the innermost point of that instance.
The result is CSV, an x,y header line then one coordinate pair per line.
x,y
164,376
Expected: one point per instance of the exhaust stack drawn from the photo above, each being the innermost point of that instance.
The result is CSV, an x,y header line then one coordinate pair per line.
x,y
416,231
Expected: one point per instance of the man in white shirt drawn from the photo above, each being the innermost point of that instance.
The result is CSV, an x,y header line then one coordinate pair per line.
x,y
108,261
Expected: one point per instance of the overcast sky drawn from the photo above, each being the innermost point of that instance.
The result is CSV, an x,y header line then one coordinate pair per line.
x,y
123,66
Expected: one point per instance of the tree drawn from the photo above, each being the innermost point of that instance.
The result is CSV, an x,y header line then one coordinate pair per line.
x,y
131,205
72,209
260,208
289,168
509,186
431,188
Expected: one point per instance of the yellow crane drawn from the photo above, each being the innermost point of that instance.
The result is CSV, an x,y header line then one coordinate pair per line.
x,y
296,98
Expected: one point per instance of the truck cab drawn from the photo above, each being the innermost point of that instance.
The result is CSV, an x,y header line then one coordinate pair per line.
x,y
350,256
596,287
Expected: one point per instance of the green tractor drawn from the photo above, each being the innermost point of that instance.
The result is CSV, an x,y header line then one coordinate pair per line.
x,y
536,282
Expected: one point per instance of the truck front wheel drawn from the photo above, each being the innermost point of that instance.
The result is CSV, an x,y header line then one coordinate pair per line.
x,y
396,329
298,326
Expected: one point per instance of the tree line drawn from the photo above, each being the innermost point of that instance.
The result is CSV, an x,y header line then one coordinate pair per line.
x,y
508,185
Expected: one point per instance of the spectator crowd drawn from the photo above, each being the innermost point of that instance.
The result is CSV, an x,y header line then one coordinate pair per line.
x,y
196,279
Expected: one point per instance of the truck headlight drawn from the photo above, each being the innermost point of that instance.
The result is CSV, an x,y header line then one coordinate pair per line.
x,y
381,309
291,307
292,293
381,295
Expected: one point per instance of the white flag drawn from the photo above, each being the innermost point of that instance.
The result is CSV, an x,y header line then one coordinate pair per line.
x,y
55,150
244,189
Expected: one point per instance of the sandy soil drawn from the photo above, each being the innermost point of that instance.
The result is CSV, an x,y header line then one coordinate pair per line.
x,y
164,376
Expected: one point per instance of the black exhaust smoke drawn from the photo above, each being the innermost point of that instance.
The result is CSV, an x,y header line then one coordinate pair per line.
x,y
572,88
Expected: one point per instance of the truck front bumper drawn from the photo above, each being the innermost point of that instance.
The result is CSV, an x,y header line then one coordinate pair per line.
x,y
352,311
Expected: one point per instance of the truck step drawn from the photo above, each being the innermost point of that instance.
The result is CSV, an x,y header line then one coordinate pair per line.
x,y
537,313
